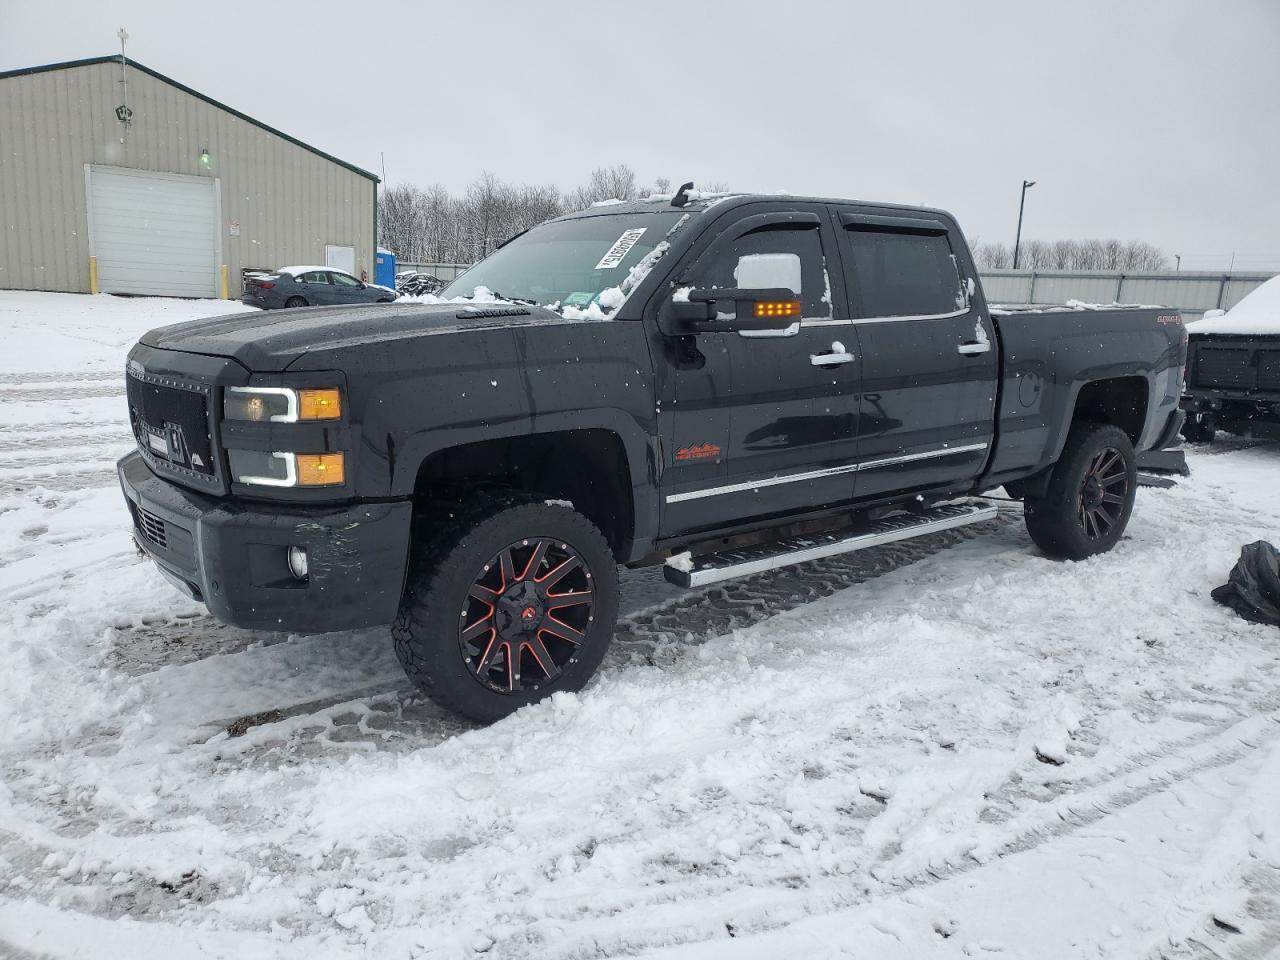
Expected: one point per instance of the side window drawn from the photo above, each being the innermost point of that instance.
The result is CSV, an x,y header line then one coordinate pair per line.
x,y
342,280
766,258
316,276
898,274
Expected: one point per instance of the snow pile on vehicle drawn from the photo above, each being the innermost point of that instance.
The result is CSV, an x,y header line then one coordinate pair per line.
x,y
1258,314
611,298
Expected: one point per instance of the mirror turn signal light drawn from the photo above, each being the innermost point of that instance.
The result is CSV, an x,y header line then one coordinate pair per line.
x,y
321,469
319,405
777,308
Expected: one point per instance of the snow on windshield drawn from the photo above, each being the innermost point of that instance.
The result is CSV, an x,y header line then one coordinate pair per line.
x,y
611,298
583,268
1258,313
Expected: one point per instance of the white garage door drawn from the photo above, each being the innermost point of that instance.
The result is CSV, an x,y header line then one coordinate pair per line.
x,y
154,233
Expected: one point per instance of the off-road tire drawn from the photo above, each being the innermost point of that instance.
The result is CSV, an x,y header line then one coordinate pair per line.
x,y
1055,520
1199,431
295,302
451,546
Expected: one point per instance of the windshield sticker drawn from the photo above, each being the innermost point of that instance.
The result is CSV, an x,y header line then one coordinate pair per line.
x,y
621,247
578,299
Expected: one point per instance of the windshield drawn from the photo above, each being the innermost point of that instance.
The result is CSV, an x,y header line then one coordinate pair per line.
x,y
569,263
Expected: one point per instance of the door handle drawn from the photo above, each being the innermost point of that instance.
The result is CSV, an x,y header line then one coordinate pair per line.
x,y
833,357
973,349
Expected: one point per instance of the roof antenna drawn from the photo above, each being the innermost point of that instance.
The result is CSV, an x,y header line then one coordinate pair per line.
x,y
682,195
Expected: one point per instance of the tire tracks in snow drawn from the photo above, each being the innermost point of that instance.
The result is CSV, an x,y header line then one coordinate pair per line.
x,y
60,377
1042,823
655,634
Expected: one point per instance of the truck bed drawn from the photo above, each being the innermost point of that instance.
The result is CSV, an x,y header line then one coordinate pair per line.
x,y
1049,352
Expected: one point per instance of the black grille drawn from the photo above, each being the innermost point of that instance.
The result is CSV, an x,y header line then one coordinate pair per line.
x,y
1221,367
152,527
171,424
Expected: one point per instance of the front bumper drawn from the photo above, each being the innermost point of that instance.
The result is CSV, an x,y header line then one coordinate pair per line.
x,y
232,556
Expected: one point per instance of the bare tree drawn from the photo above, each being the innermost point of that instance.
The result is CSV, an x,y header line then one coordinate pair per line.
x,y
1073,255
433,226
993,256
605,183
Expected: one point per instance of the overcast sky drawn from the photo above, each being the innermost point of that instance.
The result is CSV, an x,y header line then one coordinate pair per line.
x,y
1146,120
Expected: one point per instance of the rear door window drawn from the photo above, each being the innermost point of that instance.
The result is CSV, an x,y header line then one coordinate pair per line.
x,y
315,276
902,274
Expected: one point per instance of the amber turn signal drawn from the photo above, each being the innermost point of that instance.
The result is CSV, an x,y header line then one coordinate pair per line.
x,y
319,405
777,308
321,469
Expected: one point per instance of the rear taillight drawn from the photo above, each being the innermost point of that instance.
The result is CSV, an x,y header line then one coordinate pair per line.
x,y
266,284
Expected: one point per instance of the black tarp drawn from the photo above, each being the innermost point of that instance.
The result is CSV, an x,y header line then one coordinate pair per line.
x,y
1253,589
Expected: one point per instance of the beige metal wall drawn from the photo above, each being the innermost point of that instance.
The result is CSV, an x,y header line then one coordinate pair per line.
x,y
289,201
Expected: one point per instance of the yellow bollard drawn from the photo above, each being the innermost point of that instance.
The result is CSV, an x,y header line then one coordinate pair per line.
x,y
222,282
93,274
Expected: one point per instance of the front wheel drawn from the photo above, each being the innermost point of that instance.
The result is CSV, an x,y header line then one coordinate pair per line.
x,y
1089,498
510,601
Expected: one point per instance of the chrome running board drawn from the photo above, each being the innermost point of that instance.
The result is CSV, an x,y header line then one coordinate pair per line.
x,y
686,571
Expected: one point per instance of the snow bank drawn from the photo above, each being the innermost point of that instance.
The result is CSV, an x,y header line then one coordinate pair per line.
x,y
1257,314
71,331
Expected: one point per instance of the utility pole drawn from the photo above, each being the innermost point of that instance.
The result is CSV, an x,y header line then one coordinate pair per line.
x,y
1177,265
1017,242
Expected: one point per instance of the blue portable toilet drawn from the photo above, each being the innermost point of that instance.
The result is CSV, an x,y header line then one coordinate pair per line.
x,y
384,275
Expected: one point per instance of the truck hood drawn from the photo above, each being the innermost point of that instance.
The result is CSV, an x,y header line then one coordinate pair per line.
x,y
269,341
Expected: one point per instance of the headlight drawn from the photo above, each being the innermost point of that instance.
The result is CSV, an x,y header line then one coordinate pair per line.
x,y
264,469
280,404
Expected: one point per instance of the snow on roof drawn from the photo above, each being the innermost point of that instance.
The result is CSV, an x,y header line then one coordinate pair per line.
x,y
1257,313
294,271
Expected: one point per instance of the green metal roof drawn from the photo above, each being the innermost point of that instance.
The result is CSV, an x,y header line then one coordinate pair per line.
x,y
117,58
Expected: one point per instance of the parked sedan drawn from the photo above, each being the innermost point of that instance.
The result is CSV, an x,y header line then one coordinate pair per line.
x,y
308,287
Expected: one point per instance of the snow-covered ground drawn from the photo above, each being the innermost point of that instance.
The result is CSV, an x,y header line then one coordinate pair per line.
x,y
947,748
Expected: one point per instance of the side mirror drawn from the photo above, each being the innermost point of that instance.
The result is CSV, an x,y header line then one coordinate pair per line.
x,y
731,309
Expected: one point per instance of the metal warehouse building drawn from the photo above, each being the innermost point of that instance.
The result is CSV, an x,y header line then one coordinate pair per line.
x,y
115,178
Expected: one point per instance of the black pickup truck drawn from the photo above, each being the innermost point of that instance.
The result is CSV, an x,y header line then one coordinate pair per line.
x,y
723,384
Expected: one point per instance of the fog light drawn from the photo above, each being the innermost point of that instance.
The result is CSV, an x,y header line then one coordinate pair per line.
x,y
298,562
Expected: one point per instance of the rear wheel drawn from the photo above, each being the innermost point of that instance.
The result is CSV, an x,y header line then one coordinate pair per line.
x,y
1089,498
509,602
295,302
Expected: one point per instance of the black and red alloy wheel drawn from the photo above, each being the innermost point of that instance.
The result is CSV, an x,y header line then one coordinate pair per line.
x,y
527,615
1103,492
